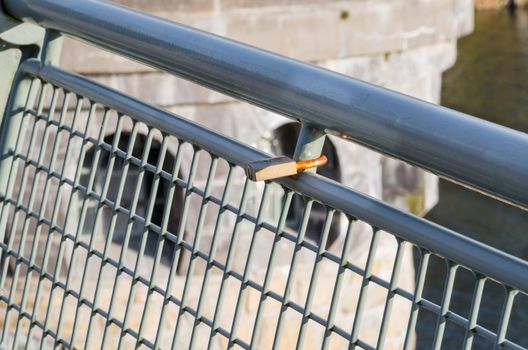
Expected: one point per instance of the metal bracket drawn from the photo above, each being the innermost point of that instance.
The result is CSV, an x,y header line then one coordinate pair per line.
x,y
309,143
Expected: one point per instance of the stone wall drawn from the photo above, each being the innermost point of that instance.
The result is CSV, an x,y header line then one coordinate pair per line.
x,y
403,45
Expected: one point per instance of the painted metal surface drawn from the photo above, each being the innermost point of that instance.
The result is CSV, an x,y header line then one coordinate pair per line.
x,y
457,251
51,109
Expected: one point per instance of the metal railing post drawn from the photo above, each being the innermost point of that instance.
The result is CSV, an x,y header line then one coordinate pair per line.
x,y
50,53
309,144
18,42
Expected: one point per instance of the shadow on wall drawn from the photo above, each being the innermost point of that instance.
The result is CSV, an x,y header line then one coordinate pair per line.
x,y
128,232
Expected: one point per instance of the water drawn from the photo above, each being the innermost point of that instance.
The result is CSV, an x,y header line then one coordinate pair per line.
x,y
489,80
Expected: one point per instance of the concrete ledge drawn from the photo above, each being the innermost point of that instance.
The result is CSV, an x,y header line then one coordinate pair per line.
x,y
344,29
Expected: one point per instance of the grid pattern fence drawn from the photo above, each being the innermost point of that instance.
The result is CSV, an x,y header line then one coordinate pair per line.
x,y
120,228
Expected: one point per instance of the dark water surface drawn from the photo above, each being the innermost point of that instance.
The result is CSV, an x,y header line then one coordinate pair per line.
x,y
489,80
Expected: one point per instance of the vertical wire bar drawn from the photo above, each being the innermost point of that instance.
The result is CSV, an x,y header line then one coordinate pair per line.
x,y
245,279
128,234
391,292
271,262
196,244
212,252
291,274
110,233
145,233
17,213
367,274
505,317
444,309
180,232
159,247
161,240
51,49
229,263
81,218
113,220
95,165
47,248
55,214
146,226
36,237
475,307
11,161
415,308
313,280
343,263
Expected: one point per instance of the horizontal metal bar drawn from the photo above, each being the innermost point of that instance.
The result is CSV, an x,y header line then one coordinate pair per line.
x,y
467,150
451,245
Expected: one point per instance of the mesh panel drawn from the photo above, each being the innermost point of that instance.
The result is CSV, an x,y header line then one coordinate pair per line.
x,y
118,234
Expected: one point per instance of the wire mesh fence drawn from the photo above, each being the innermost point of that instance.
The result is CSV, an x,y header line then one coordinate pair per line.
x,y
119,233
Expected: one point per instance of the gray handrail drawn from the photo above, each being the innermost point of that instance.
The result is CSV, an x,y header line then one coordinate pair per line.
x,y
481,155
440,240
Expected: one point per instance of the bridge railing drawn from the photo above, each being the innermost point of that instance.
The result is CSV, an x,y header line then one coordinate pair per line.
x,y
55,144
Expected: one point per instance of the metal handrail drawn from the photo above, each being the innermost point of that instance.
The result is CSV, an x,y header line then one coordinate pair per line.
x,y
478,154
423,233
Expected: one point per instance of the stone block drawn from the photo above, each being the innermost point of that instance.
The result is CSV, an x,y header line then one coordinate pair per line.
x,y
396,71
170,5
228,5
389,26
289,32
343,29
88,59
162,89
464,17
